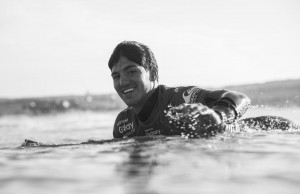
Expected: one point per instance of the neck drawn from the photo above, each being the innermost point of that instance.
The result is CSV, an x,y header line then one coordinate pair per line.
x,y
146,110
137,109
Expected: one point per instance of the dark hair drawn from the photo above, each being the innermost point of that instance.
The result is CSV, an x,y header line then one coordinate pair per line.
x,y
136,52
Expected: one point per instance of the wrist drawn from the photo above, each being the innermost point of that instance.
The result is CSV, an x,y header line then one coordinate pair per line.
x,y
226,114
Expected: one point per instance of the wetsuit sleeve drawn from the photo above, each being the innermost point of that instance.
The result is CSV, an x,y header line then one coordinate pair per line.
x,y
190,94
116,132
230,105
124,125
194,94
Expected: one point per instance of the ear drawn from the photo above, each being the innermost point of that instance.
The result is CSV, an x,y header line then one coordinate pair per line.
x,y
152,75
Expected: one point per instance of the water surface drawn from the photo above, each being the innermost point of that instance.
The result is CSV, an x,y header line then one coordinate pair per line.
x,y
246,162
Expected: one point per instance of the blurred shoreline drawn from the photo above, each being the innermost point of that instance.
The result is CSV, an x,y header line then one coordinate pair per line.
x,y
275,94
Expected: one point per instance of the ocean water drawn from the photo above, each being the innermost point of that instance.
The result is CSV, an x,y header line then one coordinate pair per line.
x,y
233,162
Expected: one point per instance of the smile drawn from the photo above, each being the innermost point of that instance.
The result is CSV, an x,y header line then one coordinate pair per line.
x,y
128,91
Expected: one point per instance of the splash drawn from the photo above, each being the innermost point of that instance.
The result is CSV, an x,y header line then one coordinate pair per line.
x,y
190,125
268,123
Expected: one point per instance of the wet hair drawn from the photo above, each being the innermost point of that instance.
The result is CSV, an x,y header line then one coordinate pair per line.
x,y
135,52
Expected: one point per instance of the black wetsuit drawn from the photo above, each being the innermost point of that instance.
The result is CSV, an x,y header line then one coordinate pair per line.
x,y
152,118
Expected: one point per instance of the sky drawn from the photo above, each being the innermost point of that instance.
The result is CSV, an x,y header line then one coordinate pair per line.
x,y
62,47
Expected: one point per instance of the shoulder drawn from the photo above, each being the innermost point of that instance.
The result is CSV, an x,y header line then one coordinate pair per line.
x,y
123,123
123,114
186,94
170,91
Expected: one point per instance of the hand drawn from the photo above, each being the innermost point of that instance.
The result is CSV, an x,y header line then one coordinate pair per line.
x,y
30,143
194,117
197,112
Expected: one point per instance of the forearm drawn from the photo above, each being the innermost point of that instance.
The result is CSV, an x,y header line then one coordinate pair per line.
x,y
231,106
195,120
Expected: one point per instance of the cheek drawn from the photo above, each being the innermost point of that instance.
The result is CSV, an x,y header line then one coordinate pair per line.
x,y
115,85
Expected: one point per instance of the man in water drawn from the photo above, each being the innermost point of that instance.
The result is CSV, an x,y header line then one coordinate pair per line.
x,y
155,109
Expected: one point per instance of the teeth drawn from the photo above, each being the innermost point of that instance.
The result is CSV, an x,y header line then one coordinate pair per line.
x,y
127,91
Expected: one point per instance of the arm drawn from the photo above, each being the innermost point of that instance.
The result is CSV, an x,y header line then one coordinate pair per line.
x,y
231,105
116,131
124,125
196,120
210,114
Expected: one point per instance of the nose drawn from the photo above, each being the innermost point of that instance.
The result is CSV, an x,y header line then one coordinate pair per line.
x,y
123,81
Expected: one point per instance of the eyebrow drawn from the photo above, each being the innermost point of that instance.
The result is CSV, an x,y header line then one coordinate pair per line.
x,y
128,67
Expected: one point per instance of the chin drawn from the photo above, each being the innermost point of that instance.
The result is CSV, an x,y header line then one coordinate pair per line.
x,y
129,102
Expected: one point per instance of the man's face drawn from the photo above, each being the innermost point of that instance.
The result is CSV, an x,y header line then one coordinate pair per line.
x,y
132,82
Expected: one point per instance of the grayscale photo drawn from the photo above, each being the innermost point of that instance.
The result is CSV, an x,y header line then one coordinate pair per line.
x,y
149,97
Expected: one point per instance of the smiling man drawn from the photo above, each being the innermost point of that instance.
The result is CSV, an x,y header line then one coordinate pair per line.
x,y
133,82
155,109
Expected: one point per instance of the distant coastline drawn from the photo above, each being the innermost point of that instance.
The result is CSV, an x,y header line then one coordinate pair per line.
x,y
284,93
276,94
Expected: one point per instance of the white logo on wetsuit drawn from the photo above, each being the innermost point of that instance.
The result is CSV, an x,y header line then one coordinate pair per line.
x,y
151,131
126,127
122,121
188,94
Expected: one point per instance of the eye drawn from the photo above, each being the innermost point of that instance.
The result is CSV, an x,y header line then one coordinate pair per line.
x,y
114,77
131,71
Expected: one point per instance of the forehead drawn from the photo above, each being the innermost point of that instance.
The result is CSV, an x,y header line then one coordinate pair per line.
x,y
124,63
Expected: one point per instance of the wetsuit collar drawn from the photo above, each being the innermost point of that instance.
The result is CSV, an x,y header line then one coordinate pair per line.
x,y
148,107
